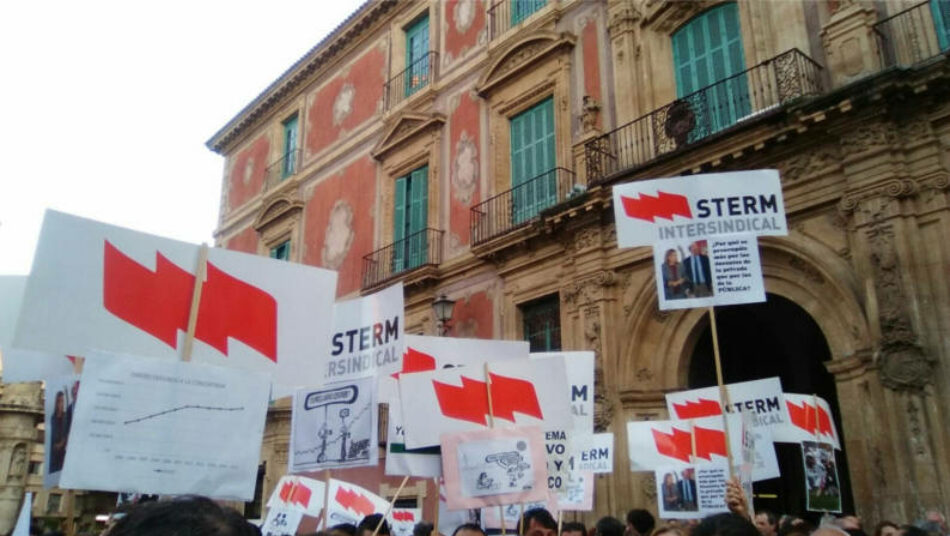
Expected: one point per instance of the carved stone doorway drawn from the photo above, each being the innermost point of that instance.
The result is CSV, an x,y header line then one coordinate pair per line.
x,y
775,338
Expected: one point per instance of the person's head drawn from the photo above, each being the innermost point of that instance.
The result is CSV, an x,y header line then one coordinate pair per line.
x,y
766,523
694,248
539,522
725,525
573,528
422,528
933,523
887,528
468,529
368,525
670,256
188,516
689,472
669,479
794,526
640,522
343,529
60,404
608,526
668,530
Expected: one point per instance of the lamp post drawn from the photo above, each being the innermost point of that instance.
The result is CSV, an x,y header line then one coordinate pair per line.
x,y
442,307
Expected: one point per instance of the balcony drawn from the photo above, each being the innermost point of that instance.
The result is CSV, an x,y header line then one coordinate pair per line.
x,y
282,169
411,254
689,120
520,205
914,35
413,78
505,14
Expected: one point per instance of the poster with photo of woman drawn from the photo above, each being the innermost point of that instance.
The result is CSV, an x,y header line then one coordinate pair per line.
x,y
61,394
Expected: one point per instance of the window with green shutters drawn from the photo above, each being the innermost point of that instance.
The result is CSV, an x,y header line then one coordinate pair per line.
x,y
542,324
533,178
522,9
417,55
410,217
941,14
289,166
707,50
281,251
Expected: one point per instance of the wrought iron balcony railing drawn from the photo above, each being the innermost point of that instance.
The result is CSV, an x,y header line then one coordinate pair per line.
x,y
423,248
692,118
283,168
520,205
505,14
914,34
417,75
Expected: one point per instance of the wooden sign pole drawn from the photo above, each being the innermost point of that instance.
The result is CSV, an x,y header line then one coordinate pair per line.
x,y
723,392
200,272
438,502
391,503
326,499
491,424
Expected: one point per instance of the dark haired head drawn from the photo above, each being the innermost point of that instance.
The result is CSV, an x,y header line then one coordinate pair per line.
x,y
725,525
608,526
538,522
468,526
346,528
422,528
574,526
369,524
641,521
189,516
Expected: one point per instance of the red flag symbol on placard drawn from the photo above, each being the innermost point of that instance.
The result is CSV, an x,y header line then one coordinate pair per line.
x,y
470,401
695,410
679,444
664,205
415,361
158,303
294,492
709,442
403,515
804,417
354,501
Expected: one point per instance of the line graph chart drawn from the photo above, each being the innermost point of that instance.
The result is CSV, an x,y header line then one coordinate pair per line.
x,y
182,408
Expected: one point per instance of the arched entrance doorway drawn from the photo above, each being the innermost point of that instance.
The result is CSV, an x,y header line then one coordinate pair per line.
x,y
774,338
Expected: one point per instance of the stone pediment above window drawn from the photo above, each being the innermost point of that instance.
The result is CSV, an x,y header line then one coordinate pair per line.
x,y
665,16
277,210
403,129
522,56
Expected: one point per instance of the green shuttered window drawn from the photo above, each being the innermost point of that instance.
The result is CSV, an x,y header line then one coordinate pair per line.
x,y
417,58
533,178
542,324
289,166
281,251
941,14
410,217
522,9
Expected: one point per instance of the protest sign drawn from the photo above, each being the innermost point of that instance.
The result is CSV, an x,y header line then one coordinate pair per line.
x,y
95,285
60,402
763,398
494,466
12,288
749,459
692,491
491,517
557,453
579,367
822,488
403,520
523,392
167,427
704,205
424,462
29,366
702,272
349,503
22,527
448,520
577,493
298,493
281,522
593,452
334,426
806,422
367,338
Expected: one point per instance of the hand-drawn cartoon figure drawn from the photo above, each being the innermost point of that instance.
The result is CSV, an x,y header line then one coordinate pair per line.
x,y
484,482
513,463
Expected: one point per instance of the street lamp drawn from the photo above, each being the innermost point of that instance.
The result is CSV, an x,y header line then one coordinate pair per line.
x,y
442,307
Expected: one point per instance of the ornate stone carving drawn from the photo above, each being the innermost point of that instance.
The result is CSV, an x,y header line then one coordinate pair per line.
x,y
343,104
915,131
875,201
644,375
868,137
588,237
807,269
916,435
586,290
809,163
520,56
648,487
623,16
590,110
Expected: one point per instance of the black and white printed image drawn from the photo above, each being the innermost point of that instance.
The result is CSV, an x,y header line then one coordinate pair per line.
x,y
495,466
821,477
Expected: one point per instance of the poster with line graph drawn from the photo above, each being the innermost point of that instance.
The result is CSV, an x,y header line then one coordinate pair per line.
x,y
334,426
146,425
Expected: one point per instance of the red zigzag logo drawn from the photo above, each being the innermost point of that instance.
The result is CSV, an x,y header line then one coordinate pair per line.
x,y
664,206
470,401
354,501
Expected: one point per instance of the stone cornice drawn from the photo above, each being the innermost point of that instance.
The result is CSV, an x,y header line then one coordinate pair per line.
x,y
300,72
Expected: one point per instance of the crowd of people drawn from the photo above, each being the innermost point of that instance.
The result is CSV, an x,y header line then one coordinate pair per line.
x,y
199,516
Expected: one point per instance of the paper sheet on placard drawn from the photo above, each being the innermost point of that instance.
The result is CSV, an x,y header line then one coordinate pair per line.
x,y
31,366
349,503
691,492
491,516
450,519
60,405
704,271
334,426
593,452
806,423
577,494
100,286
167,427
368,338
822,486
425,462
12,288
579,367
492,467
762,397
651,211
403,520
524,393
295,492
281,522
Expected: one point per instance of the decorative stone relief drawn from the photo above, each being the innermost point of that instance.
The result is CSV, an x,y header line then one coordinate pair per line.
x,y
809,163
339,235
603,409
522,55
586,238
809,271
648,487
17,470
465,169
916,435
464,15
586,290
590,109
867,137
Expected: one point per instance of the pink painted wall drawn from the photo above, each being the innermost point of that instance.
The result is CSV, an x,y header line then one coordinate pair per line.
x,y
245,241
338,222
474,316
465,152
247,173
464,20
346,101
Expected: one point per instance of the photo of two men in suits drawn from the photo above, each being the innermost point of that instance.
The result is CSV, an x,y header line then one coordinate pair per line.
x,y
689,278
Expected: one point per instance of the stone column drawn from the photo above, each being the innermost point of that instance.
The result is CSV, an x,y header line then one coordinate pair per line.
x,y
21,409
622,28
850,44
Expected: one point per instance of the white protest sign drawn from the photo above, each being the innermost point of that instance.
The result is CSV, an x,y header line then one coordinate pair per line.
x,y
579,367
593,452
60,401
403,520
701,272
95,285
524,393
806,422
703,205
167,427
349,503
22,527
743,434
557,452
334,426
691,492
12,288
763,398
577,493
424,462
281,522
450,519
298,493
367,336
31,366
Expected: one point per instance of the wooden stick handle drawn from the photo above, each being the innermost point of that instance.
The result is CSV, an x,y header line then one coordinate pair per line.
x,y
491,410
390,507
195,302
723,392
326,499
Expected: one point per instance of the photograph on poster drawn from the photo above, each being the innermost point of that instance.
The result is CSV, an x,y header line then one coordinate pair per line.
x,y
59,418
334,426
821,477
689,492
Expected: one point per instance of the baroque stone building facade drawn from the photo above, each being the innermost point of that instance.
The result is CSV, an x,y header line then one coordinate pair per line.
x,y
468,148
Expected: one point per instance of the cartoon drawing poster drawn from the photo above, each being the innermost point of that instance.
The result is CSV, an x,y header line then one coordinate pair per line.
x,y
494,467
334,426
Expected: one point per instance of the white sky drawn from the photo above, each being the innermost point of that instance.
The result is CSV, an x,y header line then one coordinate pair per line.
x,y
105,106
